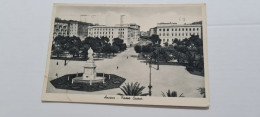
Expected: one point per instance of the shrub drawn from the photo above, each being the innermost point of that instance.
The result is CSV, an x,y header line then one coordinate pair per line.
x,y
133,89
171,94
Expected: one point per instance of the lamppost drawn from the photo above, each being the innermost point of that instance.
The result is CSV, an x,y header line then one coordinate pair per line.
x,y
150,76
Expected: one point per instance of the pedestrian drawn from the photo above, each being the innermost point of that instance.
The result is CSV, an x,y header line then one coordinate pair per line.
x,y
117,67
127,57
57,63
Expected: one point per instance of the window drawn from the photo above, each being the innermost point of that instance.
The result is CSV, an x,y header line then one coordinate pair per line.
x,y
197,29
193,29
182,34
179,34
175,29
186,29
172,29
167,29
163,29
167,40
163,40
163,34
175,34
172,34
182,29
179,29
167,34
190,29
160,34
186,34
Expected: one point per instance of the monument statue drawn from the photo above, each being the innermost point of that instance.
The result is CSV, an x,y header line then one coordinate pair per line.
x,y
89,73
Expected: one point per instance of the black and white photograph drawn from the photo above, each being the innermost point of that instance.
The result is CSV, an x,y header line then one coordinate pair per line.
x,y
128,52
128,58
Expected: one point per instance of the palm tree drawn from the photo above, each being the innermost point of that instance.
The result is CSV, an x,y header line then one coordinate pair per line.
x,y
133,89
202,92
171,94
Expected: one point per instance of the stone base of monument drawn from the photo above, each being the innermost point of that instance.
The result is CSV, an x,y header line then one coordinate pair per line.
x,y
89,81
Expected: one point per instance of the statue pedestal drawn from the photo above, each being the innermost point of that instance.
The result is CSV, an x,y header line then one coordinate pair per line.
x,y
90,81
89,75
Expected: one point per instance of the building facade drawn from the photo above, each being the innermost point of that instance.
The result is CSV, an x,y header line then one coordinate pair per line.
x,y
130,33
170,31
70,28
60,28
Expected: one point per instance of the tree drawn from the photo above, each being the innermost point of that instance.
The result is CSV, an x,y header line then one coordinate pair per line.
x,y
119,43
59,45
155,39
105,39
137,48
163,54
133,89
84,50
166,44
171,94
202,92
176,41
57,51
114,49
107,49
75,45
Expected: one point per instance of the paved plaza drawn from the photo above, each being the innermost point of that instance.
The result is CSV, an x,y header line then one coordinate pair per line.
x,y
173,77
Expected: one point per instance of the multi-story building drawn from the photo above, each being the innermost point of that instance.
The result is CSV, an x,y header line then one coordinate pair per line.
x,y
128,32
73,28
170,31
60,28
70,28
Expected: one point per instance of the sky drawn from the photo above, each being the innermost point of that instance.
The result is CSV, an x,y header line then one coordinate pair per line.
x,y
147,16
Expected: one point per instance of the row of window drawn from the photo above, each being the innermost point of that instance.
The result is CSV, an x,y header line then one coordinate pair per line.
x,y
166,40
103,29
177,34
120,29
61,30
101,33
179,29
104,36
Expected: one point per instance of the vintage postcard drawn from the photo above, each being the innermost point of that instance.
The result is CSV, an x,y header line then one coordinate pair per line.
x,y
128,54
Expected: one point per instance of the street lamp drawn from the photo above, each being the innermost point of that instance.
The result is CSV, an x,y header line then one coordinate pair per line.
x,y
150,76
